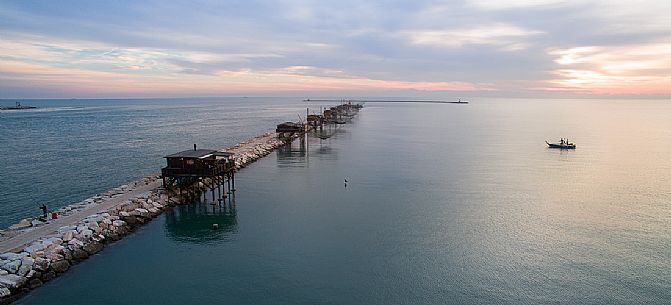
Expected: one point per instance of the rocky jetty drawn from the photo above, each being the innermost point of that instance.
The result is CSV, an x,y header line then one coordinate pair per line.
x,y
42,259
256,148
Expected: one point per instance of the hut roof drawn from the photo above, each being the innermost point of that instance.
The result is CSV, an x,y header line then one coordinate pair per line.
x,y
199,153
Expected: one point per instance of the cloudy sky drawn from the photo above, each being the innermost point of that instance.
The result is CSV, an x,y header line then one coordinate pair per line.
x,y
334,48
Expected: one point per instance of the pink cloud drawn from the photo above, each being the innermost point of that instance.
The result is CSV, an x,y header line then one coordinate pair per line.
x,y
290,79
640,69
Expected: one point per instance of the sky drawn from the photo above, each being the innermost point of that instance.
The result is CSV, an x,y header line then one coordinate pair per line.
x,y
446,49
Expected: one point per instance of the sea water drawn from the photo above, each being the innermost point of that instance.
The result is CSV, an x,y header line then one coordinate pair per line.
x,y
69,150
459,204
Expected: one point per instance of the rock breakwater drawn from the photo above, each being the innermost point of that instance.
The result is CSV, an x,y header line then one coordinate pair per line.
x,y
35,251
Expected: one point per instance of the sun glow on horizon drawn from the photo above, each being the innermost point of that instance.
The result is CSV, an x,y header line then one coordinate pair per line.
x,y
422,47
637,69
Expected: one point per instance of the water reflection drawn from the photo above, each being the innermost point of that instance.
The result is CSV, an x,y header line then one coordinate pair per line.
x,y
193,222
294,154
563,154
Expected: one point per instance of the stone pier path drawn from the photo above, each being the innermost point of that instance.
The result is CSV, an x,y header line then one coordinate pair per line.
x,y
245,153
53,226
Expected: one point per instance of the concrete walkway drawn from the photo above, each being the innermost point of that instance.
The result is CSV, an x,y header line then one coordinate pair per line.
x,y
26,237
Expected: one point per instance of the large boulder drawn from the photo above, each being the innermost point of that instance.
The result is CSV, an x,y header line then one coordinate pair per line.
x,y
75,243
12,266
41,264
79,254
33,274
34,283
67,254
93,248
153,212
60,266
55,249
54,256
141,212
12,281
98,238
113,236
131,220
27,261
48,276
69,235
26,266
87,233
93,225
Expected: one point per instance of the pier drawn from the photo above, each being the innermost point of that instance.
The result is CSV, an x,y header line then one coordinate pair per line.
x,y
35,251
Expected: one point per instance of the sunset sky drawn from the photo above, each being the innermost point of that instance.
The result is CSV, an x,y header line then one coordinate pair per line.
x,y
159,48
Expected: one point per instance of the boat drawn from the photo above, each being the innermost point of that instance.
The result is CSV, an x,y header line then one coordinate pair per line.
x,y
563,144
17,107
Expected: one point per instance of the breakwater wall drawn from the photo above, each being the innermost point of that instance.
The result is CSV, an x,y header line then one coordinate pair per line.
x,y
34,251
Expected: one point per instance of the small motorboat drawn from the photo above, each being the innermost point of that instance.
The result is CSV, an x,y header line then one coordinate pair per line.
x,y
17,107
563,144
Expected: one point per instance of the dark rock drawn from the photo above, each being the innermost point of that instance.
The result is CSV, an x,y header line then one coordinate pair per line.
x,y
79,254
93,248
12,281
4,292
41,264
48,276
60,266
130,220
34,283
67,254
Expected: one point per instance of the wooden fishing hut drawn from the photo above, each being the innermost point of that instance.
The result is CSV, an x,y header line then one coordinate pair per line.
x,y
315,120
287,129
188,169
329,114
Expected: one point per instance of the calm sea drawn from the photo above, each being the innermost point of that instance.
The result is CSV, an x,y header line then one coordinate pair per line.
x,y
444,203
69,150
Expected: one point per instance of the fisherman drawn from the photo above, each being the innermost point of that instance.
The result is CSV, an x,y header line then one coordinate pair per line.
x,y
44,211
345,182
